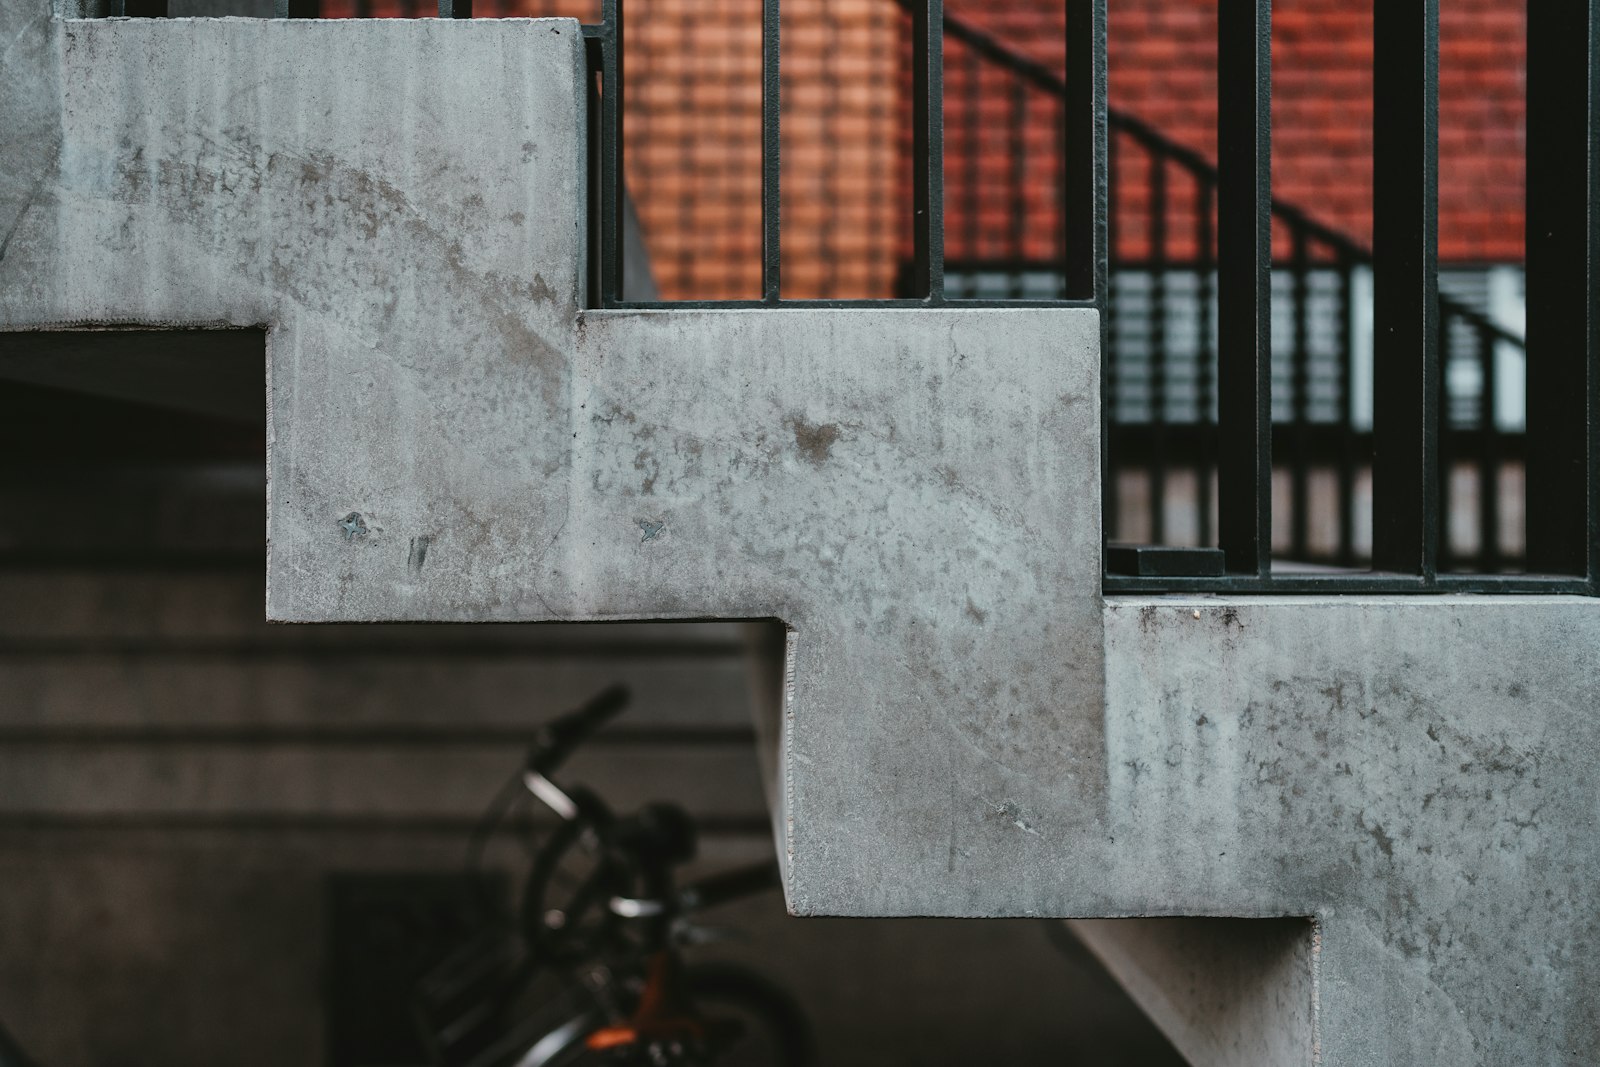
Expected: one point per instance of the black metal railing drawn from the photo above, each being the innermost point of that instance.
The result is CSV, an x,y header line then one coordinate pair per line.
x,y
1279,407
1237,408
1411,339
1080,180
297,9
1162,353
1313,384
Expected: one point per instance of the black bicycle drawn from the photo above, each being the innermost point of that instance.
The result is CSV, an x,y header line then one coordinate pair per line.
x,y
592,970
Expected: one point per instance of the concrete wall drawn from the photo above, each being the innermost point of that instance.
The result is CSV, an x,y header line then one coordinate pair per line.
x,y
1240,992
1416,773
397,206
964,727
181,785
400,204
190,797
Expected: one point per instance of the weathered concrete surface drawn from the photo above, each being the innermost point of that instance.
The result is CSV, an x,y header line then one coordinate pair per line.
x,y
964,445
400,204
1229,992
965,729
911,493
1417,773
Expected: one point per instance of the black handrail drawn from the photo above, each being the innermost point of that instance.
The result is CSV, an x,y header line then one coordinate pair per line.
x,y
1202,169
1159,408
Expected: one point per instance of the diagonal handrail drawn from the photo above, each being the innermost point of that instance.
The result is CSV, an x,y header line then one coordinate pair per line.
x,y
1198,166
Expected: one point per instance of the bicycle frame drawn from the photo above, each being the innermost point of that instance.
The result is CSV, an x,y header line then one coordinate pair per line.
x,y
614,940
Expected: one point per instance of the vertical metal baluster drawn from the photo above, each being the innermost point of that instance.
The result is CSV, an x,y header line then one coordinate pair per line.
x,y
771,145
973,170
611,155
1082,161
1345,349
1563,255
1488,456
1446,447
594,58
1111,362
1406,473
1089,209
283,9
1244,279
455,9
927,148
1205,422
1156,214
1059,158
1019,183
1300,399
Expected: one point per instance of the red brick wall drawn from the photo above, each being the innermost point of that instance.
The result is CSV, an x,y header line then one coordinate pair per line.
x,y
692,143
1163,58
693,130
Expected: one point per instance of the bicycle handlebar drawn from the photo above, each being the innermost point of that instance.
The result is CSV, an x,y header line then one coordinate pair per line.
x,y
729,886
557,739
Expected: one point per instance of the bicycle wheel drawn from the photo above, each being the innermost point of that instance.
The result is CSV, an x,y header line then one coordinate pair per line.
x,y
762,1024
774,1029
